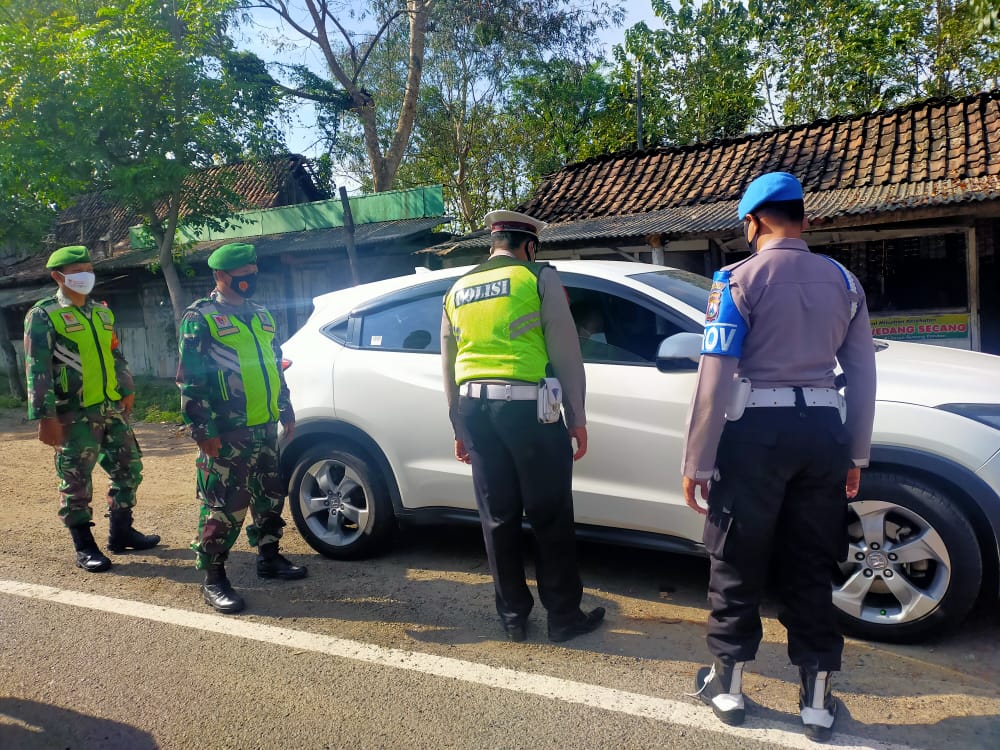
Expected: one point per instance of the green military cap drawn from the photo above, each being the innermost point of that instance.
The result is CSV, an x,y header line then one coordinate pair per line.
x,y
66,255
231,256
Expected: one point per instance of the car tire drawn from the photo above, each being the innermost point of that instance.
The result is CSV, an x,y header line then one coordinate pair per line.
x,y
913,566
340,503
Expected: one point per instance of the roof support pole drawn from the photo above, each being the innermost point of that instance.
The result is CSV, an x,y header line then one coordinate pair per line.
x,y
657,243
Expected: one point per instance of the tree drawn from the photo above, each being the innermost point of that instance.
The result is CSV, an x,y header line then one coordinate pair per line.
x,y
697,73
464,52
129,96
558,105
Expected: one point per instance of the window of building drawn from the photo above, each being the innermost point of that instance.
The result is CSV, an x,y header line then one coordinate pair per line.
x,y
909,273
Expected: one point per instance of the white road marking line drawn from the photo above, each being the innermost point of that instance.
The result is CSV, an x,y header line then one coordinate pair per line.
x,y
672,712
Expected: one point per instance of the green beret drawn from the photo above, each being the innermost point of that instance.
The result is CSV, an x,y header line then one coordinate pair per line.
x,y
231,256
66,255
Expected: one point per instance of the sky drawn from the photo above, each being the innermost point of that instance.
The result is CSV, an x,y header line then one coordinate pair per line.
x,y
300,137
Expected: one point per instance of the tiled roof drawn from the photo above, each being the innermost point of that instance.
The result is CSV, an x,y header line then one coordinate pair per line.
x,y
95,219
939,139
931,153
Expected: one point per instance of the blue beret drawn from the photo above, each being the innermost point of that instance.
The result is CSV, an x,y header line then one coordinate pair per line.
x,y
64,256
773,186
232,255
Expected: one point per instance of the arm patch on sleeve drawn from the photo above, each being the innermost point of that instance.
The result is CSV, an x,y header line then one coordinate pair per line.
x,y
725,328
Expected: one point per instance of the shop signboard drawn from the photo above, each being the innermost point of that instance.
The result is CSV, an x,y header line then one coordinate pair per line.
x,y
950,329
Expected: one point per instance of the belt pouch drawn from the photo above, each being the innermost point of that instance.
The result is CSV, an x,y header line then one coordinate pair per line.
x,y
549,400
738,398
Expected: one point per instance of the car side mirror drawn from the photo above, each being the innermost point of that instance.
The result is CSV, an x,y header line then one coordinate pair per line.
x,y
682,351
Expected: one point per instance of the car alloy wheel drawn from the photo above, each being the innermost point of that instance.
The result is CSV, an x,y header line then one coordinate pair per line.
x,y
339,502
912,562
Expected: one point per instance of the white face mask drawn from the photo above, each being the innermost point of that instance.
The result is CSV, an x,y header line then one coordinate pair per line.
x,y
81,283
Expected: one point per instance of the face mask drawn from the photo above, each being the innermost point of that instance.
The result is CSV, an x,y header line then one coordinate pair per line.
x,y
244,286
81,283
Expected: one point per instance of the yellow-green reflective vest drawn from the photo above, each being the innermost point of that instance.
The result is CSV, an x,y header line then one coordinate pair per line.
x,y
246,349
93,339
496,314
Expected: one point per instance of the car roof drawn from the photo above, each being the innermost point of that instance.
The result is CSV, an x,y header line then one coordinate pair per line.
x,y
350,297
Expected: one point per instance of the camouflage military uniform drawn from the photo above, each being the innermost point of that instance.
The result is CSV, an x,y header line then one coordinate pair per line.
x,y
94,433
215,404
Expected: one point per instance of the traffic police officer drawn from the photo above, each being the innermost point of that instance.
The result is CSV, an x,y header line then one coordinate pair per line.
x,y
766,436
81,391
233,395
505,324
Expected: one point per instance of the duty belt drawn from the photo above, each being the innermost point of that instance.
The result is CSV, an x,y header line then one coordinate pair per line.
x,y
769,397
500,391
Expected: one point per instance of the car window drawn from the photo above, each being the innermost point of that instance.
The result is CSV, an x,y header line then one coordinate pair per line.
x,y
413,325
613,329
690,288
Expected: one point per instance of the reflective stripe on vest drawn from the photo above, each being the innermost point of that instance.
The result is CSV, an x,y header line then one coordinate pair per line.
x,y
93,338
247,350
496,314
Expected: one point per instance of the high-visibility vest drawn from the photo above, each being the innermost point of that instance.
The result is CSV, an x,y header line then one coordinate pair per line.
x,y
496,313
94,341
246,349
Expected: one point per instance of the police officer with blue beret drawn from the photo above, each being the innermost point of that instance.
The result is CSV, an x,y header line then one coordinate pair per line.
x,y
775,450
506,326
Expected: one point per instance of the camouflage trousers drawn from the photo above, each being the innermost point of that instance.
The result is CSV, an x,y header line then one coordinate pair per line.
x,y
96,435
244,475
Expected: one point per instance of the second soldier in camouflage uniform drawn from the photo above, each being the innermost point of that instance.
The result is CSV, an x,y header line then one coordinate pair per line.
x,y
233,395
81,391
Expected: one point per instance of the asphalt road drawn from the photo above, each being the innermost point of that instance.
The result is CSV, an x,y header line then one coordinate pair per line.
x,y
404,651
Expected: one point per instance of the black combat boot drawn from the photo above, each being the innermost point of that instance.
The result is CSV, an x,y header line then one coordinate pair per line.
x,y
721,687
817,705
88,554
121,535
218,592
271,564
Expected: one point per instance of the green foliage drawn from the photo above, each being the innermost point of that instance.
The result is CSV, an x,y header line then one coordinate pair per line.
x,y
697,73
126,95
7,401
720,68
157,400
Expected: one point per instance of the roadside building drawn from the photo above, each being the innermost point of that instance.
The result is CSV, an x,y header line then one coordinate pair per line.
x,y
908,199
301,243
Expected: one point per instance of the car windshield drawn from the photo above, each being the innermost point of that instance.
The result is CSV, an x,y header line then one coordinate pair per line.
x,y
689,288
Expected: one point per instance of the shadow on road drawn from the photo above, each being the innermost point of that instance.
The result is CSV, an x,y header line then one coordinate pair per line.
x,y
29,725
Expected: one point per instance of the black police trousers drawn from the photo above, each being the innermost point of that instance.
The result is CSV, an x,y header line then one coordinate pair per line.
x,y
521,467
780,505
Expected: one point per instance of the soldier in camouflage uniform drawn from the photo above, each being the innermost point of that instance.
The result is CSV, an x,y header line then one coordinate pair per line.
x,y
233,395
81,391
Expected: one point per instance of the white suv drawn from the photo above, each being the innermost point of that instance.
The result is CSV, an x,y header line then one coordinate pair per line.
x,y
373,444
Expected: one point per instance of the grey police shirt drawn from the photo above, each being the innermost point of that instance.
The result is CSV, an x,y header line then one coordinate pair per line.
x,y
561,341
797,310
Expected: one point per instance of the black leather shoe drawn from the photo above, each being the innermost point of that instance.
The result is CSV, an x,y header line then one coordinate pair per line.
x,y
221,597
93,560
270,564
516,631
587,623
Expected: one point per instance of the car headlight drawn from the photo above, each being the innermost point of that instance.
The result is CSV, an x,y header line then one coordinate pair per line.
x,y
988,414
